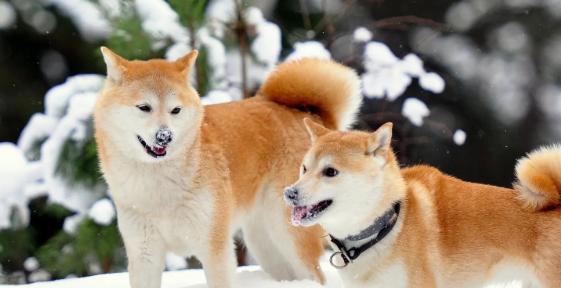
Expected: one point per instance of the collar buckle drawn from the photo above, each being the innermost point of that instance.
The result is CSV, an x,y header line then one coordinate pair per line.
x,y
332,260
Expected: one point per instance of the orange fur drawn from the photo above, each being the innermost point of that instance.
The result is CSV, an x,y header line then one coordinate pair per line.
x,y
319,86
539,178
450,233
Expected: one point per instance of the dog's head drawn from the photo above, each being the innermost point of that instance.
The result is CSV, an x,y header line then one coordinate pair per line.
x,y
341,175
148,110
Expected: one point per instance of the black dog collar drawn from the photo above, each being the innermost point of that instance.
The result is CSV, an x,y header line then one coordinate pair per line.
x,y
380,229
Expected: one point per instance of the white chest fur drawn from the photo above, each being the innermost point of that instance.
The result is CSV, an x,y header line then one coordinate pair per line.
x,y
163,196
394,275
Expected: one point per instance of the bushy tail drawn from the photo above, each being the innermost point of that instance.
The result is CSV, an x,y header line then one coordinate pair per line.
x,y
539,178
324,87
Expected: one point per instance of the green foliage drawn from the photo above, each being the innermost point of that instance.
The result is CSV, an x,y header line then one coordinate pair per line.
x,y
127,38
15,245
192,15
92,245
78,162
54,210
204,72
191,12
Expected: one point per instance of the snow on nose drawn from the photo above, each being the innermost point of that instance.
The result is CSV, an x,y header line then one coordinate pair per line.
x,y
164,136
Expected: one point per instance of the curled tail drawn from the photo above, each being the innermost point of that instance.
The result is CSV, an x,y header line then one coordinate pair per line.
x,y
539,178
323,87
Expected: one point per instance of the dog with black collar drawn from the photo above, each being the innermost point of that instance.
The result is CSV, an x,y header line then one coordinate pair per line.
x,y
417,227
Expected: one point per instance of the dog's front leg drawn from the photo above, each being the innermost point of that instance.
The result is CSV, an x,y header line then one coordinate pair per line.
x,y
145,250
220,264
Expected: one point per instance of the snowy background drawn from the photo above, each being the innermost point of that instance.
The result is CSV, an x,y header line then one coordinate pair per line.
x,y
476,82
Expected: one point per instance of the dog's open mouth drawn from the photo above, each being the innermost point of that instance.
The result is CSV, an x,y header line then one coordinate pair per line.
x,y
303,214
155,151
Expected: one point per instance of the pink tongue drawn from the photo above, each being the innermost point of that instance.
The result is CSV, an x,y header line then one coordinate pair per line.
x,y
159,150
298,214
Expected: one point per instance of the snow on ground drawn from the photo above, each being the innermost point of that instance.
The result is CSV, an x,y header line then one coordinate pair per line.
x,y
247,277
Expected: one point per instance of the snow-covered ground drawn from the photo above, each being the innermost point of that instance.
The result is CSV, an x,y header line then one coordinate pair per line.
x,y
247,277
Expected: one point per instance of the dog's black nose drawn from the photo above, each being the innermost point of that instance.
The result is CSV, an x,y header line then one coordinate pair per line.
x,y
163,136
291,194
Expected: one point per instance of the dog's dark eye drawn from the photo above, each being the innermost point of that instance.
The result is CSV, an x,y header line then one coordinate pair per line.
x,y
144,108
330,172
176,110
304,170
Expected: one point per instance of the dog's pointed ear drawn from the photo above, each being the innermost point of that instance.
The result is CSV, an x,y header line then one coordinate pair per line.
x,y
185,63
381,139
314,129
116,65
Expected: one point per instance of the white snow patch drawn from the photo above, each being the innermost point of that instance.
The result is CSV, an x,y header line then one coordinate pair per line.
x,y
219,14
310,49
460,137
102,212
87,17
12,158
8,15
216,57
384,76
432,82
175,262
216,97
111,7
267,44
388,76
378,54
31,264
58,97
413,65
177,51
222,11
16,174
39,276
362,34
160,21
253,16
71,223
415,110
390,82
